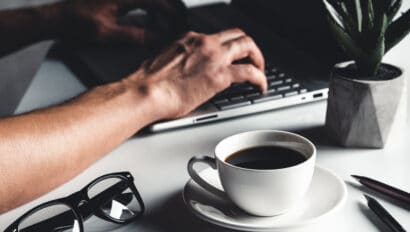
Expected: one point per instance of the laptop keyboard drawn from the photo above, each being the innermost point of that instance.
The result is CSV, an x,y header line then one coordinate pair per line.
x,y
280,85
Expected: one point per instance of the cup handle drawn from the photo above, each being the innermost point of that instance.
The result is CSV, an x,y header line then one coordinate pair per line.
x,y
198,179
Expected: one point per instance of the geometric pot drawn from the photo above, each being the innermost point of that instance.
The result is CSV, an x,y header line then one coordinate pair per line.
x,y
360,113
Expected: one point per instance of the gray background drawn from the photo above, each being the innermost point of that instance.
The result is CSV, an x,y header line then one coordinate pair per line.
x,y
158,161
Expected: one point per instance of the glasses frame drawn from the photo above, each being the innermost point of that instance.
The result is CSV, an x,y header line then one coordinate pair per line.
x,y
83,207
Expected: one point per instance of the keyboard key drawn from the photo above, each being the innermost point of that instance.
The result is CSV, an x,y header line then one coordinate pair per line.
x,y
230,91
303,91
283,88
292,93
271,77
296,85
274,70
266,97
248,87
288,80
242,93
231,105
251,95
237,91
275,83
271,70
220,101
271,90
281,75
237,98
242,86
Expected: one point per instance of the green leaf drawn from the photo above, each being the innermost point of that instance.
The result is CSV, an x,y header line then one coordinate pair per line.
x,y
344,40
367,13
393,9
348,23
371,40
397,30
368,66
365,30
375,55
351,10
381,27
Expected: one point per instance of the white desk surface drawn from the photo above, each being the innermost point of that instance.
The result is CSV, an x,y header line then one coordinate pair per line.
x,y
158,161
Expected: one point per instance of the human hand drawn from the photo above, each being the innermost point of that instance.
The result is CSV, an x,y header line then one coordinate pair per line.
x,y
97,20
195,68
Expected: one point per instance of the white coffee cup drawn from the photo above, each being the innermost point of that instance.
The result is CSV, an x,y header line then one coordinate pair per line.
x,y
260,192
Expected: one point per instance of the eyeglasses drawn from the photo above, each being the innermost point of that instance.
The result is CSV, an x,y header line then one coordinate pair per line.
x,y
112,197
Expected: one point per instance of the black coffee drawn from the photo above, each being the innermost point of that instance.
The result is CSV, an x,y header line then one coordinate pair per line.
x,y
265,157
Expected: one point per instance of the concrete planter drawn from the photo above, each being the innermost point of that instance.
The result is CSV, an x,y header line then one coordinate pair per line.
x,y
360,113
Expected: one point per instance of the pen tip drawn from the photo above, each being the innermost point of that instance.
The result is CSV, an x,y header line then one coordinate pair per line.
x,y
368,198
356,177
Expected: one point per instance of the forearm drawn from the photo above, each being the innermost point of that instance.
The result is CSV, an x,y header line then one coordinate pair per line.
x,y
50,146
21,27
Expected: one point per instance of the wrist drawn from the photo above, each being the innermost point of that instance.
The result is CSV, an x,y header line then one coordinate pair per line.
x,y
146,99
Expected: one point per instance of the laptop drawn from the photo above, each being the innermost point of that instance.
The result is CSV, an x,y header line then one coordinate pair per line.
x,y
294,76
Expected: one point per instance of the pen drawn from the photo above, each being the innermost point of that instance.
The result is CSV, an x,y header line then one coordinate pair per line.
x,y
383,215
385,189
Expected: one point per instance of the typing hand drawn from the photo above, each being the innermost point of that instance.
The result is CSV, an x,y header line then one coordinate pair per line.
x,y
196,67
97,20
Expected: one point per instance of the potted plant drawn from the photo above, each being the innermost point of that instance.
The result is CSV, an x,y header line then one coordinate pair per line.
x,y
364,93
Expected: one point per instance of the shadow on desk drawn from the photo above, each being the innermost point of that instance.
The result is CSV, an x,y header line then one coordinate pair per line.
x,y
372,217
317,135
173,215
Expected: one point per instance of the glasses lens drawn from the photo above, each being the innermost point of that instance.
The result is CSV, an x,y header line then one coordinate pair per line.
x,y
122,204
57,217
100,188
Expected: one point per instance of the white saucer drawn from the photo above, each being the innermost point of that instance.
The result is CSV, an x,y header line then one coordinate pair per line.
x,y
326,193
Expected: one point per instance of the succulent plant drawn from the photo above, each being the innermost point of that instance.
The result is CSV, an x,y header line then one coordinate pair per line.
x,y
367,29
